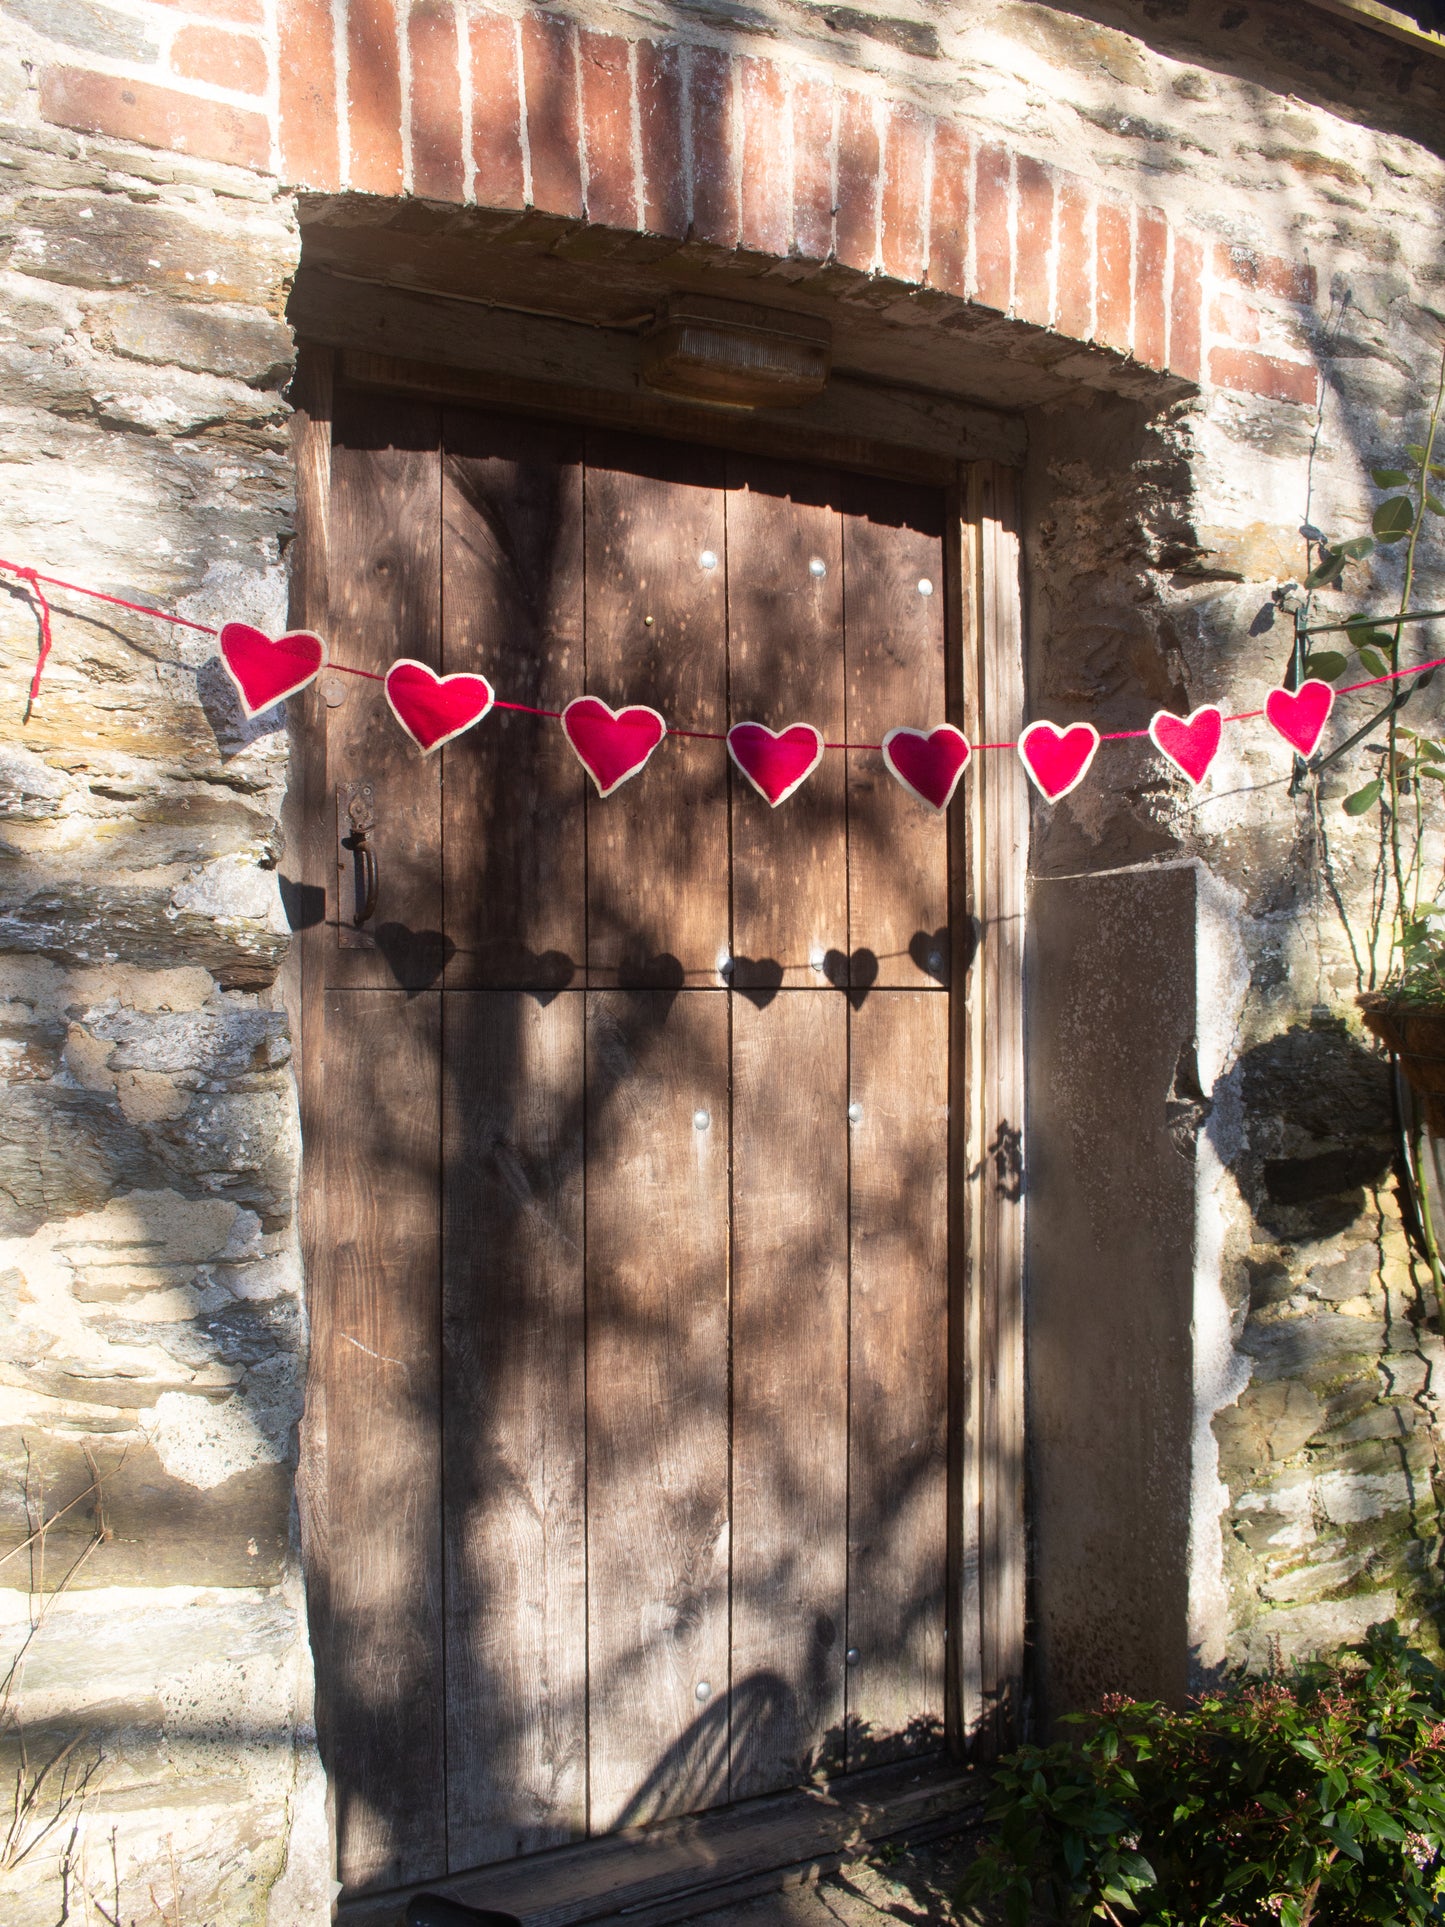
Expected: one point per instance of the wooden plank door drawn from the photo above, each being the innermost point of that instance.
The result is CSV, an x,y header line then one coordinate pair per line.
x,y
634,1309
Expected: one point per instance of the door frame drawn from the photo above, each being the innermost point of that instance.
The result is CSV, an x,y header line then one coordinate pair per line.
x,y
986,1556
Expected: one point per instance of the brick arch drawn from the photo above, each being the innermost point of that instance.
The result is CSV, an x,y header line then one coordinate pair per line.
x,y
693,143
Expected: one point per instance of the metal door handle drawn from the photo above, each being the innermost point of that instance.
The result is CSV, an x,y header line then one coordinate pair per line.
x,y
367,893
363,821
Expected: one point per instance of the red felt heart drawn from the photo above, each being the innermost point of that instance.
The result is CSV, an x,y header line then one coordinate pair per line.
x,y
1190,743
928,763
1058,759
432,709
264,671
775,762
611,744
1300,714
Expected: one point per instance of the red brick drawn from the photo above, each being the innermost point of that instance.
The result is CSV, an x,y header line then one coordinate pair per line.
x,y
1185,303
858,163
134,110
664,175
1151,256
373,93
767,212
1236,320
607,130
811,107
991,245
715,213
220,59
438,171
1290,280
549,69
1076,262
948,206
1032,301
246,13
1253,374
310,155
496,112
905,174
1111,277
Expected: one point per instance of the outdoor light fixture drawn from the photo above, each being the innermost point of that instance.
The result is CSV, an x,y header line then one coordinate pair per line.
x,y
735,355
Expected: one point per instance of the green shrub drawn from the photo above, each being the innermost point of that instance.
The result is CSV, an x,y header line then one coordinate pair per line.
x,y
1303,1801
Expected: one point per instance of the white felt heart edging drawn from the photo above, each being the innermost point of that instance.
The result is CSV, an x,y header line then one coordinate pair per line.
x,y
456,679
236,630
777,736
926,737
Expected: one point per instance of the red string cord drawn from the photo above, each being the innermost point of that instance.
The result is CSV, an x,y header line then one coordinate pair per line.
x,y
35,578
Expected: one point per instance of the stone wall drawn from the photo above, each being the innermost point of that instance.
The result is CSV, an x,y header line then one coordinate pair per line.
x,y
152,1642
153,1339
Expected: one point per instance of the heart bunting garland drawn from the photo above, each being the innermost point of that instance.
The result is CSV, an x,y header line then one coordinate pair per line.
x,y
433,709
928,763
1057,760
775,762
265,671
611,744
1191,742
1300,715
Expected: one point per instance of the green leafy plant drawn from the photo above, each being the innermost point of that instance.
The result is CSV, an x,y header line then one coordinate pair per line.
x,y
1313,1799
1411,766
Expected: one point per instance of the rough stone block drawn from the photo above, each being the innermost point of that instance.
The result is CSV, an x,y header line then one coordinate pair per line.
x,y
208,340
109,241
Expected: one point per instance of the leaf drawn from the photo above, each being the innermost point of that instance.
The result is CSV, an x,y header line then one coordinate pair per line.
x,y
1390,477
1326,664
1394,518
1326,571
1434,504
1356,805
1373,661
1356,548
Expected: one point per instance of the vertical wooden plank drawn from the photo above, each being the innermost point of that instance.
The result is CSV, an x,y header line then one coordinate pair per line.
x,y
999,832
305,867
657,882
894,626
657,1403
382,1691
385,602
513,790
790,1387
965,1652
514,1424
785,620
898,1404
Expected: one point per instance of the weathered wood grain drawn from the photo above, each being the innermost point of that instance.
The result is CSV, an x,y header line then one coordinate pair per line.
x,y
657,1403
785,621
965,1650
513,790
514,1424
790,1387
657,881
681,1868
898,1409
381,1683
384,601
997,1237
897,849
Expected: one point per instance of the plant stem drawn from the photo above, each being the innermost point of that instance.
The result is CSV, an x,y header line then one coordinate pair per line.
x,y
1402,899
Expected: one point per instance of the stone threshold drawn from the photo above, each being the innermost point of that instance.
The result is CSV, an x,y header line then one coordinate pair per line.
x,y
676,1869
